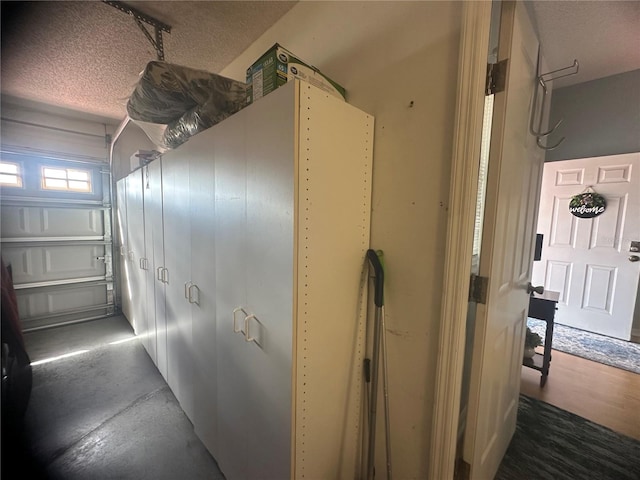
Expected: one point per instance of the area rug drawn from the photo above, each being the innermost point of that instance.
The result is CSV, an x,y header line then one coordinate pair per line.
x,y
552,444
598,348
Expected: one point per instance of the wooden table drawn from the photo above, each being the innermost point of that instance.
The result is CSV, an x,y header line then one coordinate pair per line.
x,y
543,307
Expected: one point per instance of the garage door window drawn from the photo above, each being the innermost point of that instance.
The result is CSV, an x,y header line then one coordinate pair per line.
x,y
10,174
66,179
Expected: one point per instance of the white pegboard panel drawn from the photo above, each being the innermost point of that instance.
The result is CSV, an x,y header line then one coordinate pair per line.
x,y
333,211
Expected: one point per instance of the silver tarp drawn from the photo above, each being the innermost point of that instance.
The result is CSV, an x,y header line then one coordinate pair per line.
x,y
171,102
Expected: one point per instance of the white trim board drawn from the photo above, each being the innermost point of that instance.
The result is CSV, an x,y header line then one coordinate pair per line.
x,y
462,200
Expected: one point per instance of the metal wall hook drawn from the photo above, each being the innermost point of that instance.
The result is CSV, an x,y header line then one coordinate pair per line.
x,y
532,130
537,131
549,148
542,83
575,65
549,132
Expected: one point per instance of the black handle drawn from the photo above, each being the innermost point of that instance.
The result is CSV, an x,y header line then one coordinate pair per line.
x,y
379,277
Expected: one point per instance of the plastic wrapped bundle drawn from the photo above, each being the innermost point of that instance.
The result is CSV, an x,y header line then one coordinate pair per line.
x,y
182,101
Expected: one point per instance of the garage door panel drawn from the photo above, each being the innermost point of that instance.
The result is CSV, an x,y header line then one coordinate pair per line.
x,y
50,263
21,262
36,303
18,222
26,305
75,298
73,261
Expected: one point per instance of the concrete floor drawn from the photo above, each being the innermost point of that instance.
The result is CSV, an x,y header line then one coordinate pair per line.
x,y
104,413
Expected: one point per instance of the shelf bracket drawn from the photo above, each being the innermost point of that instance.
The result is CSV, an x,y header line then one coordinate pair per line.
x,y
142,18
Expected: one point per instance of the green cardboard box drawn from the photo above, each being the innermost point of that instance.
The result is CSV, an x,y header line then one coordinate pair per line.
x,y
277,66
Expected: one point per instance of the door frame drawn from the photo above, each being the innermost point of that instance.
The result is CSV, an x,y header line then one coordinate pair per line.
x,y
474,41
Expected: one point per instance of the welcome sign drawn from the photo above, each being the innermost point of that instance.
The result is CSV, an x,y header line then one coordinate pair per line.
x,y
587,205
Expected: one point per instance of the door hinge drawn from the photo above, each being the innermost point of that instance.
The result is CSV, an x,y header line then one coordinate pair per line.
x,y
478,287
496,77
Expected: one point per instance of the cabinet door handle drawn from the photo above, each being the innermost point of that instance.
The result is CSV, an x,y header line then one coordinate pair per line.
x,y
186,289
159,273
141,262
235,323
194,298
165,275
247,334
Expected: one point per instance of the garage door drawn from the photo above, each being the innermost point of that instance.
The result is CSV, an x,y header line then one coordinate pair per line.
x,y
56,236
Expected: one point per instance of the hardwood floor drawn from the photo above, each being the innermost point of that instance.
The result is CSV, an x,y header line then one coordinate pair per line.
x,y
605,395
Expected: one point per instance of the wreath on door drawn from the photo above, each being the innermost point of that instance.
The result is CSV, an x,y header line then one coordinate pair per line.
x,y
587,204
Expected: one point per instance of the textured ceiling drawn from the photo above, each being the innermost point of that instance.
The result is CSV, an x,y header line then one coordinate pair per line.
x,y
604,36
87,55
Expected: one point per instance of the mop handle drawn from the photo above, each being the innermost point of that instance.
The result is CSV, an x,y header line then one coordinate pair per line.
x,y
379,277
374,260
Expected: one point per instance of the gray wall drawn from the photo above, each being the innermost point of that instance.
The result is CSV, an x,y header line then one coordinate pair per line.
x,y
601,117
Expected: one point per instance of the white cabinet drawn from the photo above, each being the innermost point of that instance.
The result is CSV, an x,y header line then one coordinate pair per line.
x,y
188,202
136,254
255,236
140,225
177,245
155,271
233,401
203,290
265,225
292,210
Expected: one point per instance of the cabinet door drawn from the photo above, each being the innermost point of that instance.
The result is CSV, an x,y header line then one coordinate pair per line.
x,y
156,296
254,153
150,205
137,285
123,243
203,291
230,255
177,246
159,262
269,252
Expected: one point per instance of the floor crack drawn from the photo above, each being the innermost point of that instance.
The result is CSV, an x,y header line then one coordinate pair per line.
x,y
141,399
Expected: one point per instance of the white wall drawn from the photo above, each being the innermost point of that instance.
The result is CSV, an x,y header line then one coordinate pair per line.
x,y
398,61
129,141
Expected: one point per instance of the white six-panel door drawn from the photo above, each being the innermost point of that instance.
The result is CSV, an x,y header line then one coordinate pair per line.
x,y
515,165
587,260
